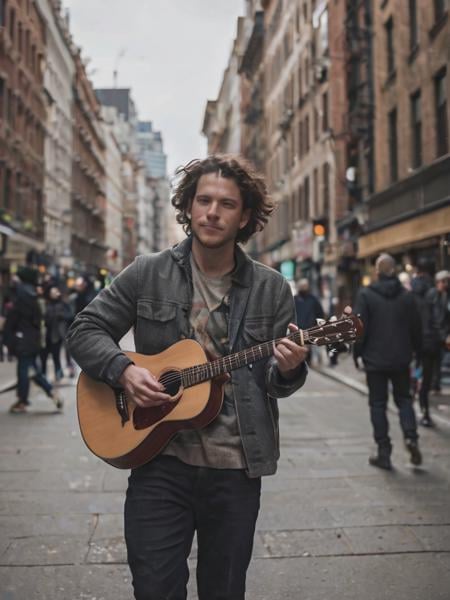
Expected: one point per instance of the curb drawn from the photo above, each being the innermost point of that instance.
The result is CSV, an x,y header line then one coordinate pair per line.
x,y
8,386
363,389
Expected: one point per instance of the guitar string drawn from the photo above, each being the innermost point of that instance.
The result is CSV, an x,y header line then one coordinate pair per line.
x,y
206,370
234,359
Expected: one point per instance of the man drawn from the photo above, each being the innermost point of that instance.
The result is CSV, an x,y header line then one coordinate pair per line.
x,y
391,336
435,322
308,309
307,306
207,288
23,329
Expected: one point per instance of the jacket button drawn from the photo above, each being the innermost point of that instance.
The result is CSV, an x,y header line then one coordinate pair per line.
x,y
250,366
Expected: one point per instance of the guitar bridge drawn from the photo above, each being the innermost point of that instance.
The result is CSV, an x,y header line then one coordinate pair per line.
x,y
122,406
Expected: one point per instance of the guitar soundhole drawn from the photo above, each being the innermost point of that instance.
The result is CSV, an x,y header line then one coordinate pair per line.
x,y
171,380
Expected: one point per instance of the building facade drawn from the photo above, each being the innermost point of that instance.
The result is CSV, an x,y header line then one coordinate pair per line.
x,y
58,79
22,132
88,176
408,213
114,190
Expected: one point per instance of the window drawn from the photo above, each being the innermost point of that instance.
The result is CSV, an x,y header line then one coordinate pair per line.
x,y
306,199
441,112
316,125
325,124
316,192
392,127
2,13
2,97
326,189
390,55
413,31
416,130
300,83
300,139
307,145
12,24
440,8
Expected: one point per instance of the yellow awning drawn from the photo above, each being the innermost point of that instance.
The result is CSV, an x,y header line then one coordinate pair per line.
x,y
413,230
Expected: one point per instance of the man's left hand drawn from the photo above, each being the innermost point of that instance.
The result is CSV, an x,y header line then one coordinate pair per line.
x,y
289,355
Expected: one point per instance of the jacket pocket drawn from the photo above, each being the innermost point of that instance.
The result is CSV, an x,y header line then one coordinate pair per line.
x,y
257,330
156,326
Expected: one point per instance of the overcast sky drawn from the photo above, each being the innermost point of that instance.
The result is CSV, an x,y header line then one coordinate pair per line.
x,y
171,53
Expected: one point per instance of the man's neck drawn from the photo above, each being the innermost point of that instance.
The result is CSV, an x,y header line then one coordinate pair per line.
x,y
213,262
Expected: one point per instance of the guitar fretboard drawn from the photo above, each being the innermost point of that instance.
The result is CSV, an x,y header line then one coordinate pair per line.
x,y
195,375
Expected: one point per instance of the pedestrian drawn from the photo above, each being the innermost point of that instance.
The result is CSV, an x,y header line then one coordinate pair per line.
x,y
57,319
308,309
23,338
433,308
84,292
307,306
391,336
209,289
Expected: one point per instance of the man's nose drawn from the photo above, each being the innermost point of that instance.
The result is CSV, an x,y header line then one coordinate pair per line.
x,y
213,209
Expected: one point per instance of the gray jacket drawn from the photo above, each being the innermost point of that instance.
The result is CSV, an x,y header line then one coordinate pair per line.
x,y
154,295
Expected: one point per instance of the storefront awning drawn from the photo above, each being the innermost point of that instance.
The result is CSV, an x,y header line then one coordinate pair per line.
x,y
407,232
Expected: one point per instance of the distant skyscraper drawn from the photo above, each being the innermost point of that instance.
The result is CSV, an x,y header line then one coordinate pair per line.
x,y
151,150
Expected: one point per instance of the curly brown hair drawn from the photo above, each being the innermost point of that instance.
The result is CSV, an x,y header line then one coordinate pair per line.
x,y
251,185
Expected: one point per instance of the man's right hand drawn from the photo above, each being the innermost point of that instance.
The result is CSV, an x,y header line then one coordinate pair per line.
x,y
142,387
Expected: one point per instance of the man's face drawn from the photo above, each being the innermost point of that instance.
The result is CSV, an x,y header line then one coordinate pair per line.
x,y
217,211
442,285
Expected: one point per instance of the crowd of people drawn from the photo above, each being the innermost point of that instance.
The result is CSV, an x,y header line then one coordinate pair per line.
x,y
35,319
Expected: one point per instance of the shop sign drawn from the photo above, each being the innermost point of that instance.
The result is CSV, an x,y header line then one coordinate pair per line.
x,y
302,240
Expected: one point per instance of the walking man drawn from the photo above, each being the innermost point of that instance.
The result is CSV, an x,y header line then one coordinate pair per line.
x,y
23,338
205,288
391,336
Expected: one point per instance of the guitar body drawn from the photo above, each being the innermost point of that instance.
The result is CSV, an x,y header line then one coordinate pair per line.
x,y
130,443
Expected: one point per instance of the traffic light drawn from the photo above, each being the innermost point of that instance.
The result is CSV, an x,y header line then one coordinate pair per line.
x,y
320,228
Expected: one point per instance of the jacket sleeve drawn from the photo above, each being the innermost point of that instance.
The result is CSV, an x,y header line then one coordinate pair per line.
x,y
95,333
277,386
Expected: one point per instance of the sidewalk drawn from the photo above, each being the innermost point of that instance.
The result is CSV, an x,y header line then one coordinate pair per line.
x,y
345,372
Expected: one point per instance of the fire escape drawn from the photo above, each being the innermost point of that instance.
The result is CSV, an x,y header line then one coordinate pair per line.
x,y
361,102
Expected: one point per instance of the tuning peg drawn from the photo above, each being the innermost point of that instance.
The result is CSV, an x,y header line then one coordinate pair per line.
x,y
333,318
320,322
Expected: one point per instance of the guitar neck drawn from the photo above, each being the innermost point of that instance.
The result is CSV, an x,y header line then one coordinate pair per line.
x,y
199,373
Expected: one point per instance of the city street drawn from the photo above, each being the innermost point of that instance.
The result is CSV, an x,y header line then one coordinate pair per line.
x,y
330,525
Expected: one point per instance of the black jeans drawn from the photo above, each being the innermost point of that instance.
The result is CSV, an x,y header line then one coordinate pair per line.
x,y
429,365
377,382
24,364
167,501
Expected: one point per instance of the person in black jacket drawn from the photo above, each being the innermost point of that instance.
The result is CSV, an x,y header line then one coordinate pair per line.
x,y
392,334
23,339
432,305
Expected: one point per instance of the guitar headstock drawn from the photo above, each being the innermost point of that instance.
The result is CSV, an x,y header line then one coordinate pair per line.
x,y
346,329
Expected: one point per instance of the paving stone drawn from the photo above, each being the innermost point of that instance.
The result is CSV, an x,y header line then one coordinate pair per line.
x,y
380,540
45,550
433,537
317,542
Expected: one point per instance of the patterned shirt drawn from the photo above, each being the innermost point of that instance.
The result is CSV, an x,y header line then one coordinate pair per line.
x,y
218,445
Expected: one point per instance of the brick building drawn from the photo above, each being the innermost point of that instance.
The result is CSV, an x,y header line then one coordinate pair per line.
x,y
22,131
88,175
409,212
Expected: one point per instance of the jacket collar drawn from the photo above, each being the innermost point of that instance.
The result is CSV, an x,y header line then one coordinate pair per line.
x,y
243,271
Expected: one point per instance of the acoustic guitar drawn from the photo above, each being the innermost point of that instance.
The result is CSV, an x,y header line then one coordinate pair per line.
x,y
126,435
